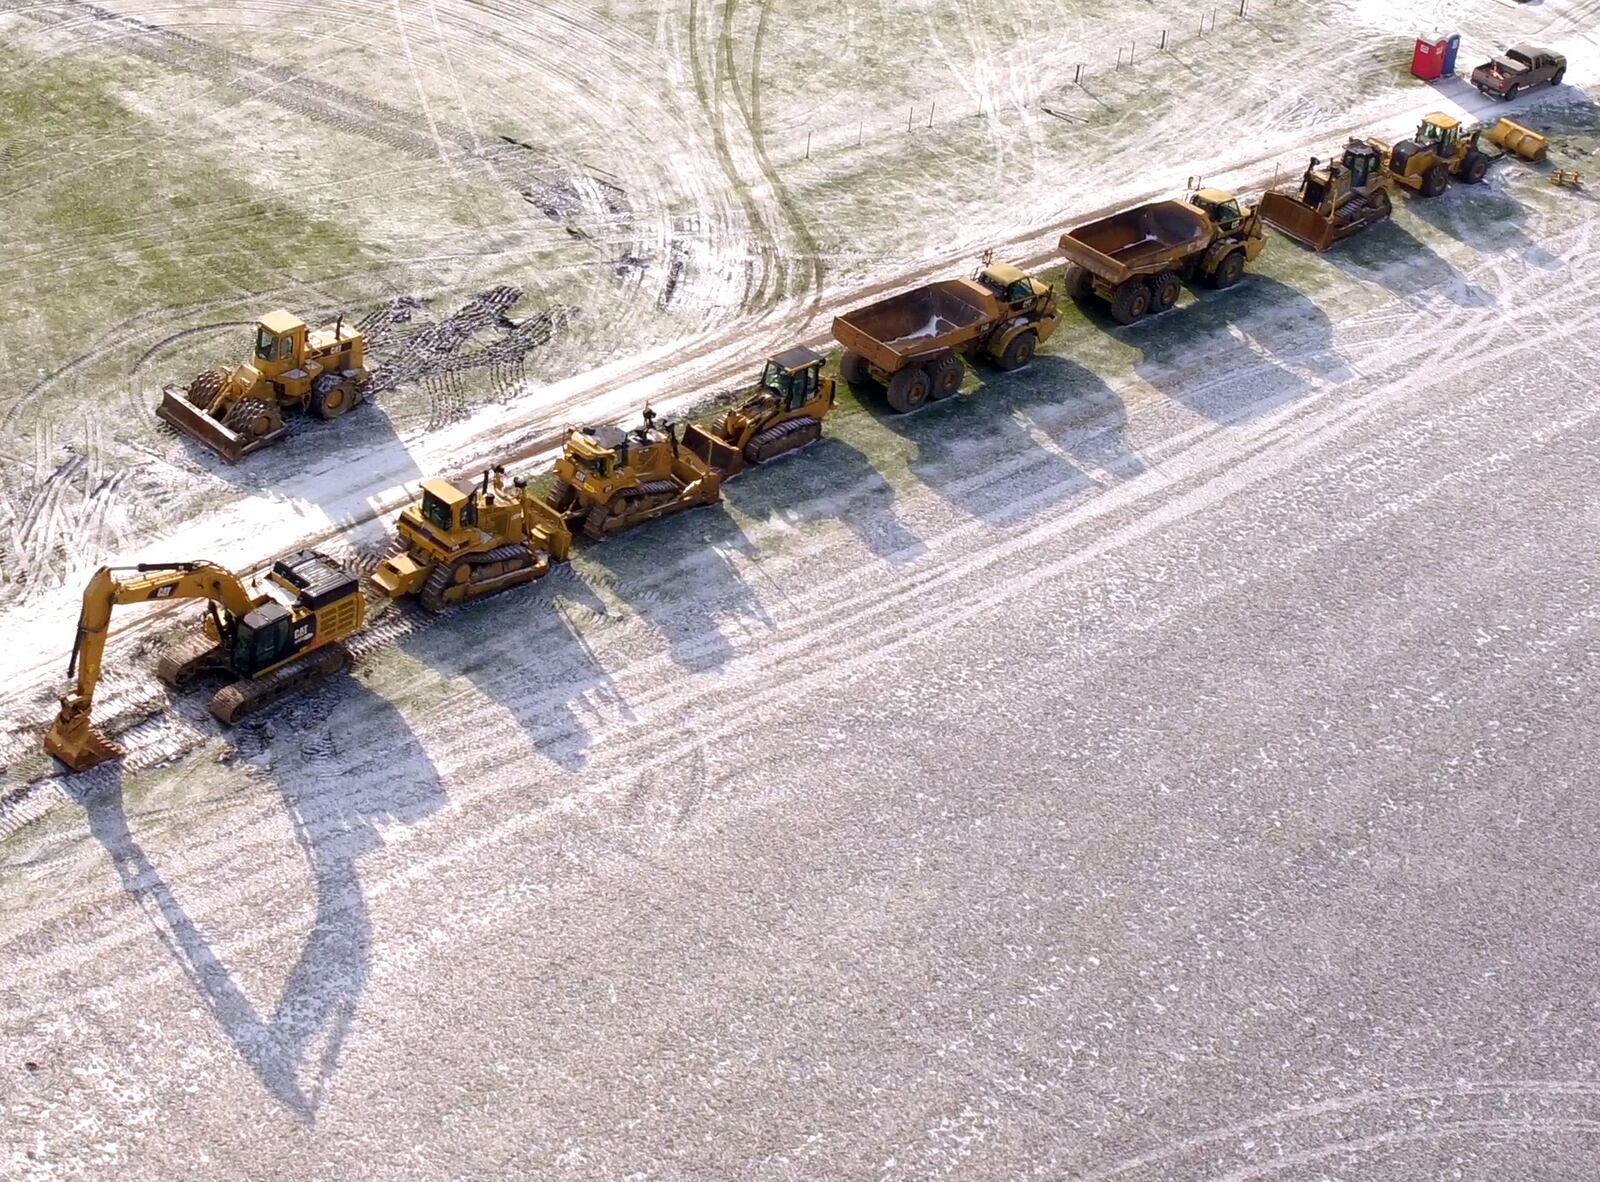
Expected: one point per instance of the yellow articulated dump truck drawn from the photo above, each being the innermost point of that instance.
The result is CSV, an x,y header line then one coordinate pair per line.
x,y
916,344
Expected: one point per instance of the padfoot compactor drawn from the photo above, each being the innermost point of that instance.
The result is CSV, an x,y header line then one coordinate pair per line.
x,y
1335,201
238,411
271,643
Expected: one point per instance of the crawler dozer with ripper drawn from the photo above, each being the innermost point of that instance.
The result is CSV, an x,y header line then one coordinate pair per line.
x,y
462,543
1335,201
239,411
275,642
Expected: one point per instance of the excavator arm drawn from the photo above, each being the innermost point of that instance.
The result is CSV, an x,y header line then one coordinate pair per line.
x,y
71,738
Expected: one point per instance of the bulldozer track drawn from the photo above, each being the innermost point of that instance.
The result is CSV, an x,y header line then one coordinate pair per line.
x,y
760,449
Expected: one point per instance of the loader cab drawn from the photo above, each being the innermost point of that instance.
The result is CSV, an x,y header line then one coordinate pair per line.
x,y
1222,208
793,377
280,342
1440,133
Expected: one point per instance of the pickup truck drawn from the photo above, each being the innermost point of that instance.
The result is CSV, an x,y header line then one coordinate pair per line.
x,y
1520,68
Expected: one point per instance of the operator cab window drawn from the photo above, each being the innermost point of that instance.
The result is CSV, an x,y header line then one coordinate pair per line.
x,y
1019,291
436,511
265,343
285,343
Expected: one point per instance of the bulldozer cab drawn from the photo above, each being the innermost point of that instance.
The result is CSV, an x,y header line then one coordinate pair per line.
x,y
792,377
1222,208
447,507
1439,132
1363,162
280,342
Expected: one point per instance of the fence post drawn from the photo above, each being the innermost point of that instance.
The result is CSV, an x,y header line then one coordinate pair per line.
x,y
930,111
859,125
1241,7
808,145
1132,45
909,113
1077,77
1163,39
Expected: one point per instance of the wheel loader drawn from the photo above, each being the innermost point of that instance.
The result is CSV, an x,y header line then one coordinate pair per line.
x,y
784,414
1335,201
463,543
239,411
609,480
273,642
1441,149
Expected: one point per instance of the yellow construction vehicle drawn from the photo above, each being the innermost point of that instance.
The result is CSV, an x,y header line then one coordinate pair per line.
x,y
1441,149
277,641
461,543
1335,201
608,480
238,411
784,414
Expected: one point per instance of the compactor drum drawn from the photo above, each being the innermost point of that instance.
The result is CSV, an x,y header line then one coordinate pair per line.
x,y
239,411
1335,201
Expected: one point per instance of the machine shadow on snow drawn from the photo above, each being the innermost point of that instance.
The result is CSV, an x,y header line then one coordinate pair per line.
x,y
294,1048
1020,445
829,481
529,658
1235,354
680,580
1401,263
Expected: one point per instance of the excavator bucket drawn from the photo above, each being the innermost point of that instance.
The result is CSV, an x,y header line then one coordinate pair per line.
x,y
75,743
1290,215
1513,137
194,422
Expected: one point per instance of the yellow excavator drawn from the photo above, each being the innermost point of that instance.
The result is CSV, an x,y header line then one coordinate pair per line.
x,y
273,643
458,543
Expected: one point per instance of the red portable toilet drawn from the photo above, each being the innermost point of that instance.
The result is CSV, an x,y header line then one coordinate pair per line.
x,y
1427,62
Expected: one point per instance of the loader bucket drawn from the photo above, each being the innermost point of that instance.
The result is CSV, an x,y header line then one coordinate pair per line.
x,y
190,420
1514,137
717,454
1289,215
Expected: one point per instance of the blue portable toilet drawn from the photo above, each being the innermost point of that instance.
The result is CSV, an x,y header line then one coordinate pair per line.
x,y
1452,46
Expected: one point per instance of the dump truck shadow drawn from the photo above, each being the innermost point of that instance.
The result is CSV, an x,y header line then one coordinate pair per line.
x,y
678,575
528,655
828,481
1397,260
1234,354
1022,443
334,807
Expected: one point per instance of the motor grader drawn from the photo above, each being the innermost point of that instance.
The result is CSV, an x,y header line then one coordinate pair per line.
x,y
462,543
239,411
278,640
783,414
1336,200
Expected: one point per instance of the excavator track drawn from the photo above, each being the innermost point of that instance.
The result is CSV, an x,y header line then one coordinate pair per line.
x,y
785,437
495,570
233,702
184,660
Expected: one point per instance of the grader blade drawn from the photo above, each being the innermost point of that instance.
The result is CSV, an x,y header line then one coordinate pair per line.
x,y
194,422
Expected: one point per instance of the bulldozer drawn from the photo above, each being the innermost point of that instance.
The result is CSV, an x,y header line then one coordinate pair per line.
x,y
783,414
461,543
238,411
273,642
1442,148
1335,201
609,480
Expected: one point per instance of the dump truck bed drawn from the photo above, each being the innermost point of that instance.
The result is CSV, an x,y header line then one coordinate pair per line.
x,y
945,315
1138,241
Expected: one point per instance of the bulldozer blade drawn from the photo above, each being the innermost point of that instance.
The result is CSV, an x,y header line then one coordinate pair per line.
x,y
190,420
1299,221
717,453
79,746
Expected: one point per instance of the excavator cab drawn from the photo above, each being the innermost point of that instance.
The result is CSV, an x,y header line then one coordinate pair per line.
x,y
261,639
793,377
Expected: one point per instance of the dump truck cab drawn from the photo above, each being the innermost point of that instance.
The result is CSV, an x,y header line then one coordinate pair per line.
x,y
1220,206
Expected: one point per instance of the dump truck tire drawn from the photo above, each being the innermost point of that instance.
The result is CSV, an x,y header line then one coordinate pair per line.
x,y
331,397
853,368
908,389
250,418
1019,351
1078,282
944,377
1474,167
1130,301
1229,271
1436,180
205,387
1164,291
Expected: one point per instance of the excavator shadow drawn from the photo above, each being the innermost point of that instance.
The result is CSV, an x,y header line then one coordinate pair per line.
x,y
1237,354
680,576
1023,444
529,656
828,481
336,790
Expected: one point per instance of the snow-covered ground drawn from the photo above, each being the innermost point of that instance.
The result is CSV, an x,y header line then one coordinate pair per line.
x,y
1164,764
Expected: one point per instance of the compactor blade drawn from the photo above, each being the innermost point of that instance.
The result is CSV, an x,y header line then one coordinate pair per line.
x,y
198,425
